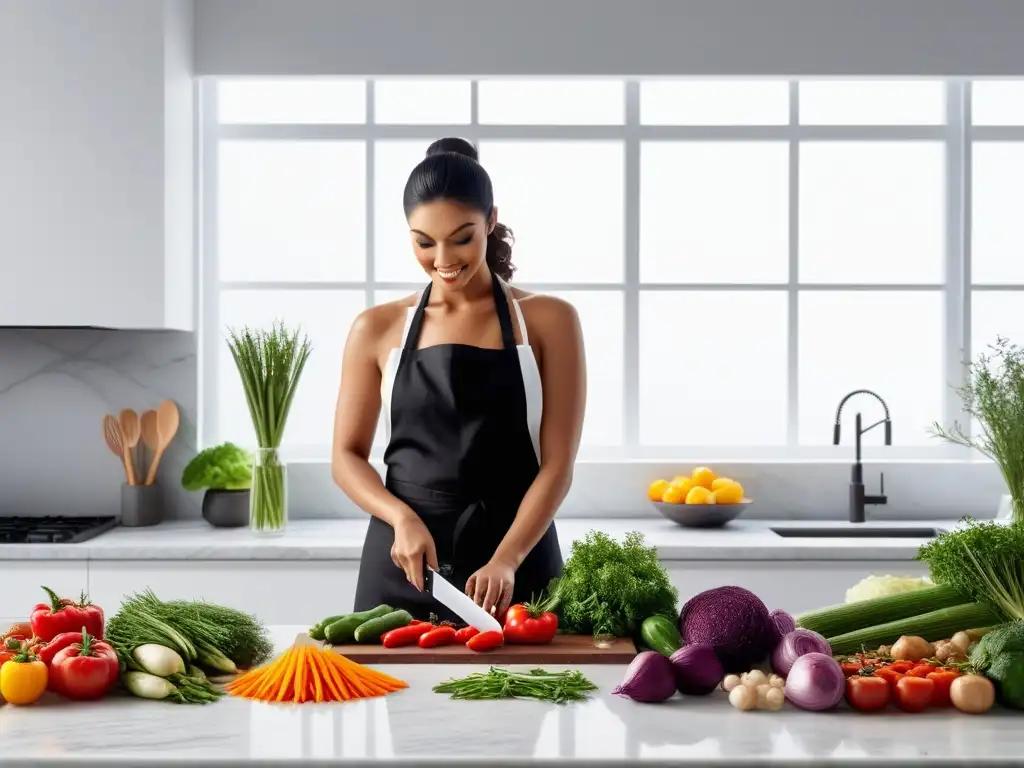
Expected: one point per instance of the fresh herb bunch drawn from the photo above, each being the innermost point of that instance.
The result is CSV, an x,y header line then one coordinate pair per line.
x,y
498,683
610,588
982,561
269,364
994,397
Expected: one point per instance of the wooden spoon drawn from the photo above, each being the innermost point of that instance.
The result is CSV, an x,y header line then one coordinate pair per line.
x,y
167,420
150,438
131,431
112,436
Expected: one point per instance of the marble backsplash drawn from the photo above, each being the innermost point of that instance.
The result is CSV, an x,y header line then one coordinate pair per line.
x,y
55,387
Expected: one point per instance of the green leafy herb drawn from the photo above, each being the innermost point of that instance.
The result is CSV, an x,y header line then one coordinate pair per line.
x,y
994,397
222,467
498,683
610,588
982,561
1000,656
269,364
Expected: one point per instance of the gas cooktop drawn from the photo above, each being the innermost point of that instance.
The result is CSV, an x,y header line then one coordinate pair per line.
x,y
52,530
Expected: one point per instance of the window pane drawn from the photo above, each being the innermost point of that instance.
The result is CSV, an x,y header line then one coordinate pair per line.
x,y
394,259
713,368
995,314
714,102
997,227
292,210
602,318
693,196
997,102
421,102
872,102
891,343
324,316
552,102
872,212
551,194
291,101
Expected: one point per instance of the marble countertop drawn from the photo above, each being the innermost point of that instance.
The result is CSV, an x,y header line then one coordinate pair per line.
x,y
343,540
419,726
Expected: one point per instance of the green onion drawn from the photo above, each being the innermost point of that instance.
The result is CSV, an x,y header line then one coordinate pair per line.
x,y
848,617
935,625
498,683
269,364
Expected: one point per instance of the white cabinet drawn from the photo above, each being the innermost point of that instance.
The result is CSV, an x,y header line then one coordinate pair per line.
x,y
794,585
277,591
23,581
96,147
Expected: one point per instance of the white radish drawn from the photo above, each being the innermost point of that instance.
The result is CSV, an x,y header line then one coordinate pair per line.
x,y
158,660
147,686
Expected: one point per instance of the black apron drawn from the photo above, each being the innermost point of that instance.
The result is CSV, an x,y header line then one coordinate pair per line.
x,y
461,456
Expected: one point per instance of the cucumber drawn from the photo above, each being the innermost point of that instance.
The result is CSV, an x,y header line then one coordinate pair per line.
x,y
317,630
660,634
341,630
371,631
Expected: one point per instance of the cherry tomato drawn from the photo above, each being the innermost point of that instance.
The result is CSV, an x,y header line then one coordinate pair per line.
x,y
437,636
914,694
902,666
943,679
921,670
867,693
851,668
486,641
463,635
888,674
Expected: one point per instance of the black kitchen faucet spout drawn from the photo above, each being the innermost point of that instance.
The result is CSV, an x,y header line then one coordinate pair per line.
x,y
858,498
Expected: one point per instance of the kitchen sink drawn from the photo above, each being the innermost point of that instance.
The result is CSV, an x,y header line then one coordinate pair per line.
x,y
858,532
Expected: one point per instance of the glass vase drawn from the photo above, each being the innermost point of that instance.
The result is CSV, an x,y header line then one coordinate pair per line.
x,y
268,497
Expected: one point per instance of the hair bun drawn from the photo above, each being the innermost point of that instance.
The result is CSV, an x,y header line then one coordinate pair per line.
x,y
453,144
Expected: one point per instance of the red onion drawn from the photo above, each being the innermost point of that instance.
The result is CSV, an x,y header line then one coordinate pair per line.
x,y
784,623
815,682
698,670
794,645
650,677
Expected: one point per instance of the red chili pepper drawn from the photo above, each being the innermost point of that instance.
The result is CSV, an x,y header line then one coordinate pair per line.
x,y
59,643
486,641
437,636
65,615
465,633
407,635
530,623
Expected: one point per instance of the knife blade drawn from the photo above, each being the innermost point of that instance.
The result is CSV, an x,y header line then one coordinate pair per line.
x,y
459,602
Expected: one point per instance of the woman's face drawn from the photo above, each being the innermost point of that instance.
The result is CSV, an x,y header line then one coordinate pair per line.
x,y
450,241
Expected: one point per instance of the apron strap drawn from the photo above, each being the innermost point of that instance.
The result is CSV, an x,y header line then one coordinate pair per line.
x,y
412,332
508,336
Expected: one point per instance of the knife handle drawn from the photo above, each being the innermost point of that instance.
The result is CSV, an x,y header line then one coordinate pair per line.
x,y
428,577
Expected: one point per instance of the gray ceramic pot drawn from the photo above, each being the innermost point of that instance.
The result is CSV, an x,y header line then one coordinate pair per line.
x,y
226,509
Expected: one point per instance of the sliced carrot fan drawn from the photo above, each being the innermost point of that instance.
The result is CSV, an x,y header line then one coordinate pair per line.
x,y
310,673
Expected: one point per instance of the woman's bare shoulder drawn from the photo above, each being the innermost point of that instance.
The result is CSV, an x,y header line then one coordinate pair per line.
x,y
546,313
382,324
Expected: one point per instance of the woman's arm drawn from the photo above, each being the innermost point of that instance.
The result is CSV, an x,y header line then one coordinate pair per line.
x,y
564,380
355,423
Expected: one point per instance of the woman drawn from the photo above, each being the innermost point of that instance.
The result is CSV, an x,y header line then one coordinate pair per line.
x,y
483,389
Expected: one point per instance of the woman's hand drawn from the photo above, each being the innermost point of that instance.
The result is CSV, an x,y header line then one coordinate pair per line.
x,y
412,542
491,586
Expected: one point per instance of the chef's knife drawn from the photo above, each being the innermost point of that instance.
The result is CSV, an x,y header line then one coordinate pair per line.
x,y
458,602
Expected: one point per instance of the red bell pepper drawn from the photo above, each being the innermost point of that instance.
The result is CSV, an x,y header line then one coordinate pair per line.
x,y
65,615
85,670
59,643
530,623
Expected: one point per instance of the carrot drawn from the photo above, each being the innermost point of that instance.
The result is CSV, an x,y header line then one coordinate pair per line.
x,y
329,684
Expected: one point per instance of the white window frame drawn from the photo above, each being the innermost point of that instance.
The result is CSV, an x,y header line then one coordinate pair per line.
x,y
956,133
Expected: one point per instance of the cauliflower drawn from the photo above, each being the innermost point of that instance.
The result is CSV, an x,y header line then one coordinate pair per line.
x,y
223,467
881,586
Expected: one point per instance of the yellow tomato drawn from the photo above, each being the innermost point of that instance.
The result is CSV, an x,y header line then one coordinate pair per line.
x,y
656,490
729,493
700,495
720,481
703,477
23,682
675,494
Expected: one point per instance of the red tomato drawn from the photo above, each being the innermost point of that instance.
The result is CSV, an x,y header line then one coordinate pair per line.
x,y
851,668
902,666
921,670
86,670
529,624
867,693
888,674
943,679
914,694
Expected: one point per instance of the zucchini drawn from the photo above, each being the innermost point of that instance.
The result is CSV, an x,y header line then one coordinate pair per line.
x,y
659,633
370,631
932,626
850,617
342,630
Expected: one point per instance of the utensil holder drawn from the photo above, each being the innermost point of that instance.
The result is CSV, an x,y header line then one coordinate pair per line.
x,y
141,505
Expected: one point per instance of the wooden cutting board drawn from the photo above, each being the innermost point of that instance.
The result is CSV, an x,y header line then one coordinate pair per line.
x,y
563,649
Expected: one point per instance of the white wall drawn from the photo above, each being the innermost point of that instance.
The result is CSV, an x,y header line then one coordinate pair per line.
x,y
610,37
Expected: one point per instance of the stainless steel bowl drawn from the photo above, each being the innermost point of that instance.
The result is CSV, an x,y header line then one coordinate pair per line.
x,y
701,515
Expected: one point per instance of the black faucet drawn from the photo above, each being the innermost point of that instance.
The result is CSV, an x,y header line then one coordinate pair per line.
x,y
858,499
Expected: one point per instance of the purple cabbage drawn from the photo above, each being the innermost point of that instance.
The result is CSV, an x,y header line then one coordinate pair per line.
x,y
734,622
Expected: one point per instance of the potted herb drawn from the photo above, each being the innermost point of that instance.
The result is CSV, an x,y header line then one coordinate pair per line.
x,y
225,471
994,397
269,364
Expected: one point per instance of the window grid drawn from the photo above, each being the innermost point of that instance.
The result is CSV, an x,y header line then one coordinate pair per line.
x,y
957,134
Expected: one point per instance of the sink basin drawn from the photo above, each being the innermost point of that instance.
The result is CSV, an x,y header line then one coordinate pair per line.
x,y
858,532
